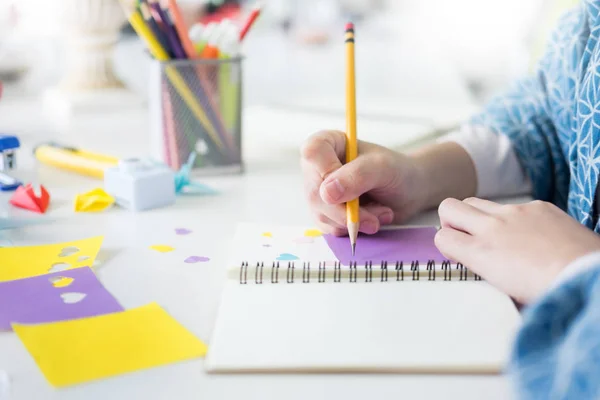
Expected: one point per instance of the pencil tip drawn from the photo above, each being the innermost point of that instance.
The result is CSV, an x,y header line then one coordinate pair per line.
x,y
353,249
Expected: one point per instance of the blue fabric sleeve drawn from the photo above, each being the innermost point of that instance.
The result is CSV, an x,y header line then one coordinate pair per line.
x,y
534,113
557,350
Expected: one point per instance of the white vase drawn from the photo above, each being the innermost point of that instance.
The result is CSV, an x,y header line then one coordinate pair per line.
x,y
89,84
91,30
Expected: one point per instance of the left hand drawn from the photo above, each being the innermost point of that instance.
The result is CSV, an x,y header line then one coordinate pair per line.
x,y
519,248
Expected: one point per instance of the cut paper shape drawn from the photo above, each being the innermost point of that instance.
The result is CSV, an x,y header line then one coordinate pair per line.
x,y
27,261
287,257
83,258
196,259
27,198
266,245
38,300
405,244
182,231
304,240
57,267
183,184
313,233
163,248
68,251
95,200
108,345
72,298
267,234
61,281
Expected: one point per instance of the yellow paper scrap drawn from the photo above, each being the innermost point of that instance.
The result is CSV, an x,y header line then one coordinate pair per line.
x,y
86,349
267,234
163,248
93,201
27,261
313,233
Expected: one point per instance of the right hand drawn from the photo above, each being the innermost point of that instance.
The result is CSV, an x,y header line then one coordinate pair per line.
x,y
388,183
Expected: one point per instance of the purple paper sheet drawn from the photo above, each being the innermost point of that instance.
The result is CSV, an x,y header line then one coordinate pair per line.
x,y
36,300
405,244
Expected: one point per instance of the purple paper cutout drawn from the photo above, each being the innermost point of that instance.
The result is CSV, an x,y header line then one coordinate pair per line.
x,y
182,231
406,244
196,259
35,300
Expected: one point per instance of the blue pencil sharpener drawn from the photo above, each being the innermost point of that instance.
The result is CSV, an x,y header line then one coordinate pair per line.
x,y
8,146
140,185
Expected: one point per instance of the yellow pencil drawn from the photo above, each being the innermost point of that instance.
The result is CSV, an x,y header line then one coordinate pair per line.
x,y
352,206
137,22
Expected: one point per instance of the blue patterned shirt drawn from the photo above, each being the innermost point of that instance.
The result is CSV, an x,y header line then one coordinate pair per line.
x,y
553,117
557,352
553,122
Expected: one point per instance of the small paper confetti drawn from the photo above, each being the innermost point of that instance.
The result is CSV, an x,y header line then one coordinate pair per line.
x,y
266,245
313,233
268,234
182,231
287,257
162,248
196,259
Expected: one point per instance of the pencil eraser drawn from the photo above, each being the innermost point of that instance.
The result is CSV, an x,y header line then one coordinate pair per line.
x,y
349,26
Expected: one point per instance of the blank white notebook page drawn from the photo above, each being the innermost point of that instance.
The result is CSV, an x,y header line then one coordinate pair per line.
x,y
385,326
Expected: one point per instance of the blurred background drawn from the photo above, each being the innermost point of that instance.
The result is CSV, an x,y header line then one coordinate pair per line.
x,y
427,63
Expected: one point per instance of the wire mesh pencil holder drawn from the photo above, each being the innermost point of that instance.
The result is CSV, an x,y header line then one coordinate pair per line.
x,y
196,106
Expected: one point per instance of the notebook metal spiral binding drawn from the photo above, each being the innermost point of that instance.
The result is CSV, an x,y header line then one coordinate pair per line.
x,y
351,274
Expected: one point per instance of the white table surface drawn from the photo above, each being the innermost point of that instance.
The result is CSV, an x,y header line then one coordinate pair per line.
x,y
269,192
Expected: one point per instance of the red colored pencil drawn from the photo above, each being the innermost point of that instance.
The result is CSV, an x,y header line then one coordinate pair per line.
x,y
250,21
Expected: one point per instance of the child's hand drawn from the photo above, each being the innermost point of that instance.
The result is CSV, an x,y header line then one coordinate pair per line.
x,y
390,181
518,248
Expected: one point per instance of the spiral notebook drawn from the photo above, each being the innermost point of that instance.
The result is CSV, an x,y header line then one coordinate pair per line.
x,y
297,301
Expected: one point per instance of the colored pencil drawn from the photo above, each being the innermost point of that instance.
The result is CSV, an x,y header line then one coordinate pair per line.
x,y
154,27
170,32
159,53
250,21
192,54
182,30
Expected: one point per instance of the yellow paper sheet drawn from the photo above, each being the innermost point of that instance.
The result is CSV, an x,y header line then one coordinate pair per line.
x,y
86,349
24,262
